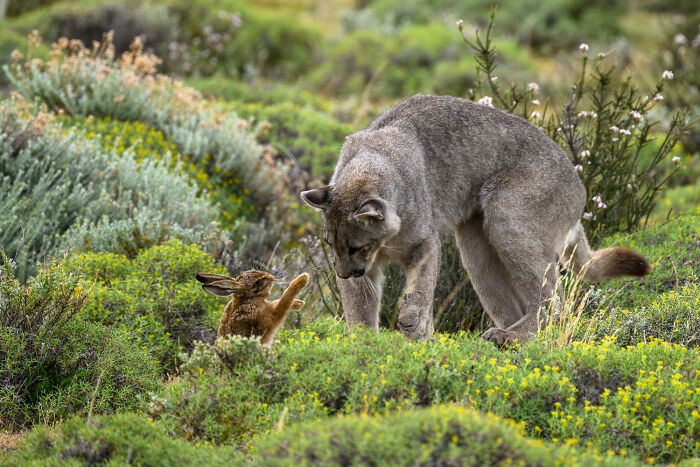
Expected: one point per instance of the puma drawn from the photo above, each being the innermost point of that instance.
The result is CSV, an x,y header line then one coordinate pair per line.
x,y
508,192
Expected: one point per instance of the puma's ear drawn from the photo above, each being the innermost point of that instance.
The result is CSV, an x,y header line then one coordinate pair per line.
x,y
372,210
221,288
319,198
297,304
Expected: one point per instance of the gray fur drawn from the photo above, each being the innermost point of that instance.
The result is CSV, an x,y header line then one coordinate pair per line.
x,y
438,163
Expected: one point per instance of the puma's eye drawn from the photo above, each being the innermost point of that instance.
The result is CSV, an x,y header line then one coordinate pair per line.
x,y
363,249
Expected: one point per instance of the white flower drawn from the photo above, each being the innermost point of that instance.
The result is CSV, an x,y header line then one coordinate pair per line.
x,y
585,154
667,74
486,100
614,129
535,102
625,132
658,98
636,115
602,205
587,215
629,186
596,198
534,87
460,23
615,139
676,159
583,48
601,55
680,39
578,168
535,114
494,79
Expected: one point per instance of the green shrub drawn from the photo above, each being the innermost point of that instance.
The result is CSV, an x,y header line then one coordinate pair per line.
x,y
440,435
52,363
87,21
375,65
233,37
676,201
546,27
125,439
308,136
637,400
61,188
225,88
153,299
18,8
240,39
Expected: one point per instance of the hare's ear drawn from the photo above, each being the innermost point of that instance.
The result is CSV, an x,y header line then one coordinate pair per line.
x,y
222,288
297,304
208,278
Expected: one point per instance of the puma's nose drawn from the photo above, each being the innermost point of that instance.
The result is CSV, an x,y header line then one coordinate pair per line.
x,y
358,272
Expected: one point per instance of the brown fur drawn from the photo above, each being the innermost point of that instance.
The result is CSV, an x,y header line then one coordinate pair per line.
x,y
601,265
612,262
248,313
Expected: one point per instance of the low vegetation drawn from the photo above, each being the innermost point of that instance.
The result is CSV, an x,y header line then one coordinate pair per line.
x,y
177,143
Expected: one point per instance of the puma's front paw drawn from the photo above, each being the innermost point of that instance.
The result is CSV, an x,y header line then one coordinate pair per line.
x,y
501,337
412,326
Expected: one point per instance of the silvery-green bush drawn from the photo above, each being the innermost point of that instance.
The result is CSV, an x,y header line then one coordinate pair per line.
x,y
60,191
82,82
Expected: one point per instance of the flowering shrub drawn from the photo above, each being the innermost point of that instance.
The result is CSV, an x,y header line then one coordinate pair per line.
x,y
440,435
672,250
673,316
53,364
636,401
84,82
119,136
605,127
153,299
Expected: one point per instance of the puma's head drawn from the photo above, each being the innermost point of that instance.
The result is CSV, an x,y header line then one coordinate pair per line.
x,y
357,223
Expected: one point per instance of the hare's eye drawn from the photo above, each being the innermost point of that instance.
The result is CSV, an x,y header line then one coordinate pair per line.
x,y
366,248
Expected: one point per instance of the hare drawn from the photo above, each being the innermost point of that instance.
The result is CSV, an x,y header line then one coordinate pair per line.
x,y
248,313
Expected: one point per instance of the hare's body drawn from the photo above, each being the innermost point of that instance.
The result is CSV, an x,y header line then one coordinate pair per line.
x,y
248,313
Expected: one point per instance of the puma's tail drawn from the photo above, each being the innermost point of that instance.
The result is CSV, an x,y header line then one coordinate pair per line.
x,y
600,265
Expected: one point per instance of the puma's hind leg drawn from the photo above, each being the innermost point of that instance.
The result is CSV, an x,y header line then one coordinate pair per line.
x,y
527,225
488,274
